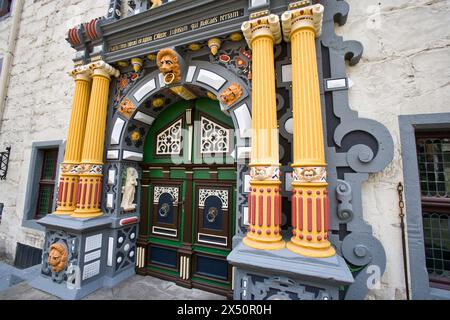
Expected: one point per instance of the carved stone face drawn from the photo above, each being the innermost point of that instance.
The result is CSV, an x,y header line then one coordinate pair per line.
x,y
309,174
168,65
127,108
57,257
231,94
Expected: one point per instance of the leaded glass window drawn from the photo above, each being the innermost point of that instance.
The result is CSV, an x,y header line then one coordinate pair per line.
x,y
434,166
47,183
437,244
433,154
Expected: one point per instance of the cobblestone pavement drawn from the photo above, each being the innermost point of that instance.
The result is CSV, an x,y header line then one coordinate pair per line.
x,y
134,288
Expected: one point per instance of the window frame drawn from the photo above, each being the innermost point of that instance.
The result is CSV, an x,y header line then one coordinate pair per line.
x,y
11,8
418,274
34,177
42,182
435,204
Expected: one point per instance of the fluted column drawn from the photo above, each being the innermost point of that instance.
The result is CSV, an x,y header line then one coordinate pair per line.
x,y
90,183
72,157
265,199
309,196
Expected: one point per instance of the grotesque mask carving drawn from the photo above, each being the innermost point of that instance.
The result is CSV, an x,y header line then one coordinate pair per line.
x,y
231,94
57,257
169,66
127,108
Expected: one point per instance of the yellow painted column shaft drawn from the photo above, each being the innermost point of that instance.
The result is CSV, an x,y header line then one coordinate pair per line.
x,y
265,196
90,184
72,157
310,216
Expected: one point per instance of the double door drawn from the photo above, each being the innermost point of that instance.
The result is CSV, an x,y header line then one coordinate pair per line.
x,y
190,206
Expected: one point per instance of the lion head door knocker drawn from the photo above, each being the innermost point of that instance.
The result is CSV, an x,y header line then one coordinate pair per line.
x,y
212,214
169,66
164,210
231,94
57,257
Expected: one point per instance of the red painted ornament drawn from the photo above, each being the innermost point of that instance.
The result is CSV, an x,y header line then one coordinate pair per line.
x,y
224,58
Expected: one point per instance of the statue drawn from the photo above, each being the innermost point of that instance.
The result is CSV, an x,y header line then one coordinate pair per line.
x,y
57,257
167,61
129,190
231,94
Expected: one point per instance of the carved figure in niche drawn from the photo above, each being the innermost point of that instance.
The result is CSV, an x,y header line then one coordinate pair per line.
x,y
155,3
57,257
231,94
129,190
127,108
167,61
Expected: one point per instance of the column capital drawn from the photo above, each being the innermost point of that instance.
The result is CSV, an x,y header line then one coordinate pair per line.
x,y
267,25
81,72
101,67
309,17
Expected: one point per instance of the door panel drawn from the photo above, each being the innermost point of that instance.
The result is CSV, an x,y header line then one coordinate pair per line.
x,y
213,217
166,209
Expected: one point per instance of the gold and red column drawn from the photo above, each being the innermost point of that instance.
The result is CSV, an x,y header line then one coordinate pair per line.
x,y
89,189
72,157
261,32
310,214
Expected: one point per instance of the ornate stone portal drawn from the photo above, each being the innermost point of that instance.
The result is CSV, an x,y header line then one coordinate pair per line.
x,y
103,246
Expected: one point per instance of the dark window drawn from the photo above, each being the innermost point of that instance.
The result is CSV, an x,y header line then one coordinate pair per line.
x,y
5,7
1,211
433,153
27,256
47,183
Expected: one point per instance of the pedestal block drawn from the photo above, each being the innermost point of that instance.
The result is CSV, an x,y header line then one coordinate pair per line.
x,y
81,256
284,275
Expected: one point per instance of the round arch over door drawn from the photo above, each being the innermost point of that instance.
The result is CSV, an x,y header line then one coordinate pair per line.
x,y
126,134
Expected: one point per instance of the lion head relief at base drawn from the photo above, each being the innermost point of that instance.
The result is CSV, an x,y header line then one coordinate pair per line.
x,y
169,65
57,257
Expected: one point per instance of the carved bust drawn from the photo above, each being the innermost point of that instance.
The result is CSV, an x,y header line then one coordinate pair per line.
x,y
167,61
231,94
57,257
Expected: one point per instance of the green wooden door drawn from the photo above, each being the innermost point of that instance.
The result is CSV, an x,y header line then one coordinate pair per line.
x,y
191,179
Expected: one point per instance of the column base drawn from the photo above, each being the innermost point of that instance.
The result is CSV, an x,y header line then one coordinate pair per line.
x,y
325,250
264,245
85,214
61,212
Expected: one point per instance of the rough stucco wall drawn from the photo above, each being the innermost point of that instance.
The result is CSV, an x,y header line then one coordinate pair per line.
x,y
39,99
404,70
